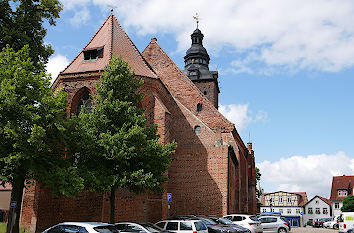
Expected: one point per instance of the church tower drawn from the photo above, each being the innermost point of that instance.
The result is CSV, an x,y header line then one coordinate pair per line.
x,y
197,68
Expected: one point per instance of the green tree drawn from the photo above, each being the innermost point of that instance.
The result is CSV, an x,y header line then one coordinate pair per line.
x,y
121,150
348,204
34,132
21,23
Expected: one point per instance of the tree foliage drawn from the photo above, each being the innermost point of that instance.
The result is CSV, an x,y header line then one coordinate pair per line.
x,y
21,23
34,133
348,204
120,149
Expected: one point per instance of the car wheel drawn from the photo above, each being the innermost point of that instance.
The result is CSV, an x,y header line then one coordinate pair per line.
x,y
282,230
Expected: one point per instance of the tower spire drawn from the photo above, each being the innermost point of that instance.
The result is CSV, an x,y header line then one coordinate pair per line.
x,y
196,17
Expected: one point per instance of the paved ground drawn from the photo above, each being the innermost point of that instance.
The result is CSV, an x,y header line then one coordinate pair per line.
x,y
312,230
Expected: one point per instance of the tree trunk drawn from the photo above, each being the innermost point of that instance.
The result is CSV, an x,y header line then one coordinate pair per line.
x,y
112,199
13,224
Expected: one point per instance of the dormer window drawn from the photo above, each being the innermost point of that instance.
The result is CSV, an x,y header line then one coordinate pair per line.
x,y
199,107
93,53
342,193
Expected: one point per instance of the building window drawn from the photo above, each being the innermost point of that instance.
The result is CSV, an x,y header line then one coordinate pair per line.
x,y
342,193
197,129
336,205
316,202
318,211
271,200
310,210
199,107
264,210
280,199
272,210
281,211
325,211
85,101
298,211
289,200
205,92
93,54
289,211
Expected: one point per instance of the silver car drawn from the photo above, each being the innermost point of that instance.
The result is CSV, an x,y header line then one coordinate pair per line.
x,y
273,224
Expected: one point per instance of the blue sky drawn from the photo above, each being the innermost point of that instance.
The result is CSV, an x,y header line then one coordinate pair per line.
x,y
285,71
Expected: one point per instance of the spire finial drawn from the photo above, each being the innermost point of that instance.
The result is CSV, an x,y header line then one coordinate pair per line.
x,y
111,11
196,17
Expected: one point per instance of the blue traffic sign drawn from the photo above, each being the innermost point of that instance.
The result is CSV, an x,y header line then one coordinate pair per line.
x,y
13,204
169,197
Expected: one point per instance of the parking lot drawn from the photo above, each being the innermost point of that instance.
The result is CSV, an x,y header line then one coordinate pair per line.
x,y
312,230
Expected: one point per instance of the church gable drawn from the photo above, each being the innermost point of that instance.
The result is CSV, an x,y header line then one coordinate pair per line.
x,y
110,40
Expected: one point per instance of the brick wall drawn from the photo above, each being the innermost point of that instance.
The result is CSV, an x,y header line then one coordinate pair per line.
x,y
210,90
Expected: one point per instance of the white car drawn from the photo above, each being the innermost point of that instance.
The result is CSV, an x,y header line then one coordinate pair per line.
x,y
250,222
133,227
273,224
183,226
82,227
332,224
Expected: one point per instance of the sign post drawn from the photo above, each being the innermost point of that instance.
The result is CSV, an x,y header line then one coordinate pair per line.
x,y
169,200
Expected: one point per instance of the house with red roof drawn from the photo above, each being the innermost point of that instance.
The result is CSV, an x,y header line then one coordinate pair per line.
x,y
342,187
317,207
288,204
212,171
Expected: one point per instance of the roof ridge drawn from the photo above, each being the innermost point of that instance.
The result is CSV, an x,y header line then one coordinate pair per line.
x,y
192,84
131,42
86,44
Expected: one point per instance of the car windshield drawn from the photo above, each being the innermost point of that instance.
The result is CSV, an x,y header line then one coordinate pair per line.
x,y
254,218
225,221
207,221
151,227
106,229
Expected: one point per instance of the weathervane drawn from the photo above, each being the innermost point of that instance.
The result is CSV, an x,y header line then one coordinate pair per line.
x,y
196,17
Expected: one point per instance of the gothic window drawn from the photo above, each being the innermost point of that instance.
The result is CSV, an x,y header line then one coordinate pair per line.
x,y
205,92
199,107
197,129
86,101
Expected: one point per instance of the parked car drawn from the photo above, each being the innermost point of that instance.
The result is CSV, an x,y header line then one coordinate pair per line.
x,y
215,227
346,222
320,221
134,227
334,223
82,227
250,222
273,224
276,214
228,222
183,226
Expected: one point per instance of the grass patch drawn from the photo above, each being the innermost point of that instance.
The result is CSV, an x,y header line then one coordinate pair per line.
x,y
3,228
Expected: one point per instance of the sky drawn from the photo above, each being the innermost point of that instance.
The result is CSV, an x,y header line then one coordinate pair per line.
x,y
285,73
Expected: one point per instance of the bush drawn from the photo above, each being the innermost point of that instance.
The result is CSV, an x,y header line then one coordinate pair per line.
x,y
309,223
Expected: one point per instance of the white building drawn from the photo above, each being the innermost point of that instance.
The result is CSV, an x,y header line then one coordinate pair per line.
x,y
289,204
317,207
342,186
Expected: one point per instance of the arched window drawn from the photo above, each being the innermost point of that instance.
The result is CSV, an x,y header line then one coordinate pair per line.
x,y
85,100
197,129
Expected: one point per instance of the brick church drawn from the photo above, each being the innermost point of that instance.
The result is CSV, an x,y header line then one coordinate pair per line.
x,y
212,172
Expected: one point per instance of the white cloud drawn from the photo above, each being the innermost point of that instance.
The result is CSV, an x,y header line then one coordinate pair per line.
x,y
292,34
241,116
237,114
80,17
312,174
56,64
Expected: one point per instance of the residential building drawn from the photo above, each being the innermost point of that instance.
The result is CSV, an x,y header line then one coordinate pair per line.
x,y
5,196
317,207
289,204
342,187
212,171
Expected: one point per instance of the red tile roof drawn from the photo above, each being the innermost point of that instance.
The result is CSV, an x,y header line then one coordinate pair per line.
x,y
116,42
182,88
341,183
